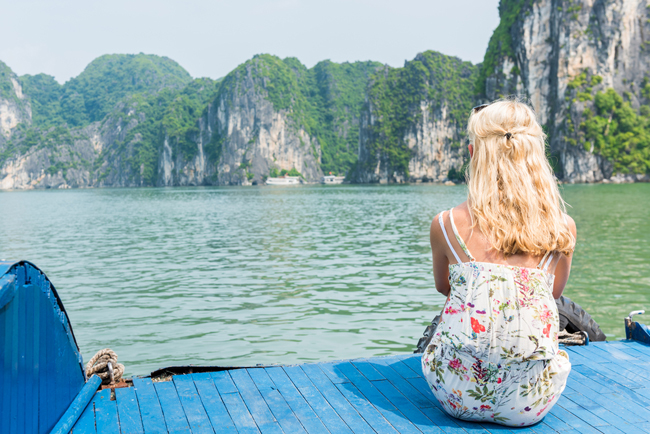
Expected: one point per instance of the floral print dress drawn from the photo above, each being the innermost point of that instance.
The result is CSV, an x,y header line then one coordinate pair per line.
x,y
494,355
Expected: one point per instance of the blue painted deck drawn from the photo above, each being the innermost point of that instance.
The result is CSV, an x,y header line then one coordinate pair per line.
x,y
608,392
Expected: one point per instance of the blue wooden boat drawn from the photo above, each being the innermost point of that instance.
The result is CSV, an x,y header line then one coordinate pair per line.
x,y
43,386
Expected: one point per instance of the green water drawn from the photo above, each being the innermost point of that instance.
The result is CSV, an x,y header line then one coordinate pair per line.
x,y
241,276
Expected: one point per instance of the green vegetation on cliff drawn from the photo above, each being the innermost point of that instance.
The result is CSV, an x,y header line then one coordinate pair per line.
x,y
609,125
94,93
500,45
170,115
44,93
325,100
396,96
6,86
106,80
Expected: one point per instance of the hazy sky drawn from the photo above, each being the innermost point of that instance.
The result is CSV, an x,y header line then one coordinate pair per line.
x,y
210,38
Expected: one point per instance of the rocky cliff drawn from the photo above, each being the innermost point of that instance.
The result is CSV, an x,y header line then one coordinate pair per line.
x,y
267,116
141,120
413,125
583,64
14,107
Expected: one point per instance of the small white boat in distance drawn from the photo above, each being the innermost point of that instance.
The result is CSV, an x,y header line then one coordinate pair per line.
x,y
283,180
331,179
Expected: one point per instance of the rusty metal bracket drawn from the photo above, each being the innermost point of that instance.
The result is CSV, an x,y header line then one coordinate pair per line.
x,y
636,331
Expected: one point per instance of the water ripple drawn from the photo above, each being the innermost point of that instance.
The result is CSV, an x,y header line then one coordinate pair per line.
x,y
241,276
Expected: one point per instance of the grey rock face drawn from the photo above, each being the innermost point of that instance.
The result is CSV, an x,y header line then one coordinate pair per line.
x,y
433,142
256,138
240,138
14,109
553,42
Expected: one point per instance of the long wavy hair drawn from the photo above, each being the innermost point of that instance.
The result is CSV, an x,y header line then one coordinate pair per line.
x,y
513,194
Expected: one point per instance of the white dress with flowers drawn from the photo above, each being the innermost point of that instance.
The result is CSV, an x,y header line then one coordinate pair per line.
x,y
494,355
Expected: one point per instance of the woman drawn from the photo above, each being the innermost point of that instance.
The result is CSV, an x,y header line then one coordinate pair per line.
x,y
501,258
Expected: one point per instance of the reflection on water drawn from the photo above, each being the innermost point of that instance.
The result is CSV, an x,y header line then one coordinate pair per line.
x,y
261,275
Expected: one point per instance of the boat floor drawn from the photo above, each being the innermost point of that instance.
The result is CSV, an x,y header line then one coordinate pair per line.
x,y
608,391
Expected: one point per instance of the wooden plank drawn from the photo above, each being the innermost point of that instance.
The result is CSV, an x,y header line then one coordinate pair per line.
x,y
614,353
106,413
214,407
298,376
374,418
421,384
374,397
153,421
613,430
128,411
415,363
344,409
298,404
571,419
365,387
604,414
27,327
414,395
171,407
629,374
37,346
443,420
493,428
314,399
634,349
333,373
86,422
614,375
367,369
410,411
594,352
398,366
589,372
276,402
17,404
627,409
540,428
223,382
260,411
587,353
192,405
576,358
239,413
578,381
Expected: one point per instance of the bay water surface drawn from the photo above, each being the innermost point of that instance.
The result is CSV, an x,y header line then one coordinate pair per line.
x,y
259,275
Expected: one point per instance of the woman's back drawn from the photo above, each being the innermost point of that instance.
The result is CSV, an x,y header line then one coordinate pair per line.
x,y
494,356
501,258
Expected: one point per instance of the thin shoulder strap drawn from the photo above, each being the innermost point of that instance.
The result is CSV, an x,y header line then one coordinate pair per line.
x,y
541,263
546,261
444,231
458,238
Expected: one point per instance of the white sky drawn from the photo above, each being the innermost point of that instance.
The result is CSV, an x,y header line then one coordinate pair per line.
x,y
210,38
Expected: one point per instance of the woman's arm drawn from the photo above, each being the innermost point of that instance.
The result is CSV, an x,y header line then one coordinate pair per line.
x,y
440,259
563,268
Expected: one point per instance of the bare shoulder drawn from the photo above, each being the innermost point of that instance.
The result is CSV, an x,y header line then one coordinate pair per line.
x,y
572,224
436,230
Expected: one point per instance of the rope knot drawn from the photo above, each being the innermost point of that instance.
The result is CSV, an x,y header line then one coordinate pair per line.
x,y
104,365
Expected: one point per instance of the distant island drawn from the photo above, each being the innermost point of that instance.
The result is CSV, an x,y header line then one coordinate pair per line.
x,y
141,120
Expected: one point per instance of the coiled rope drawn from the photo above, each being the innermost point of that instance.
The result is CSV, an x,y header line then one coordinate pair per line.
x,y
579,338
104,365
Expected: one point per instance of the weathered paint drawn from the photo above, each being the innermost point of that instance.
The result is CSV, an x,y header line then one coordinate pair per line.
x,y
70,417
41,369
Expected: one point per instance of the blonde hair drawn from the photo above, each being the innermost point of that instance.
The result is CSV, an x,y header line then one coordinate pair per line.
x,y
513,195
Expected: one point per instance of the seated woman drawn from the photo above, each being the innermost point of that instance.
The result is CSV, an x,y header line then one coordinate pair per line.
x,y
501,258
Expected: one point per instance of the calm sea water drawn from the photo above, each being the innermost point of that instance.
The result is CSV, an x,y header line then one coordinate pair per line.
x,y
241,276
